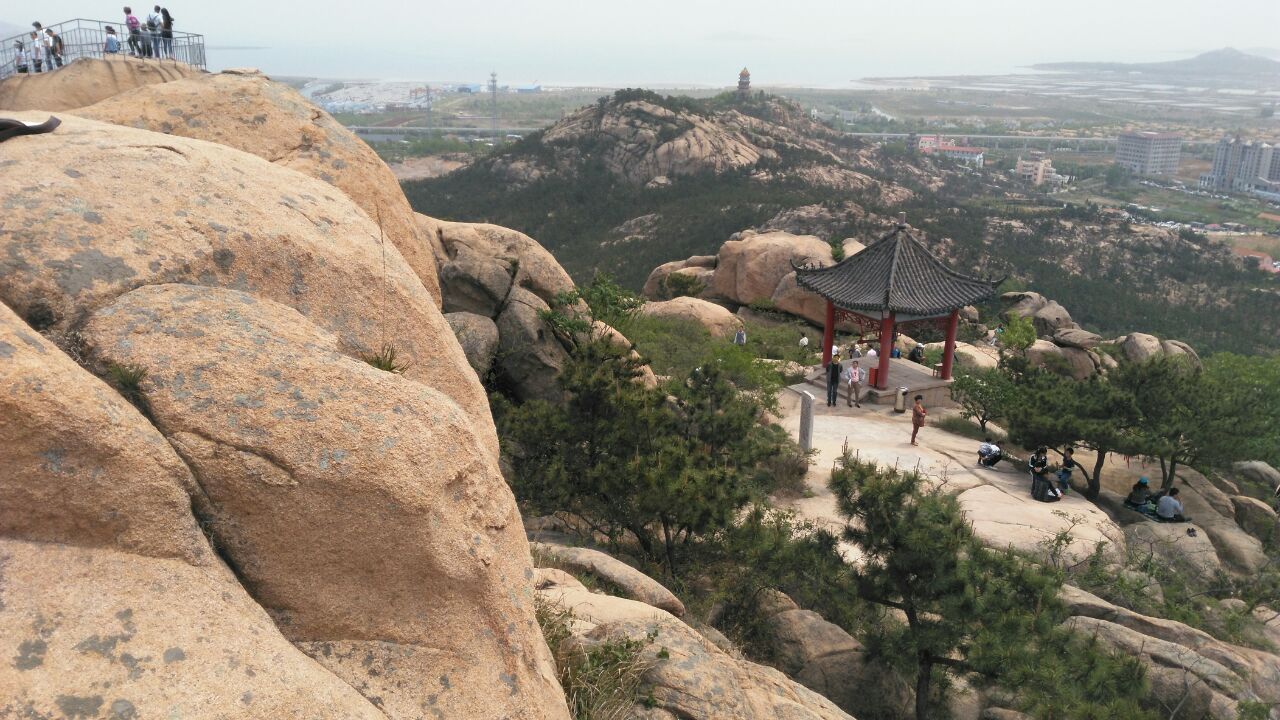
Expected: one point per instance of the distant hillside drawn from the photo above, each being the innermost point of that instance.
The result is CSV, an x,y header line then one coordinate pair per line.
x,y
638,180
1215,63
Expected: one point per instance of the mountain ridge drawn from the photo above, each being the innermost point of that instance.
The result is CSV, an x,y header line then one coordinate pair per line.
x,y
1222,62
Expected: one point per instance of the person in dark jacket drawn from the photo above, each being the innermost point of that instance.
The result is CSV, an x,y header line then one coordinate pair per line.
x,y
833,380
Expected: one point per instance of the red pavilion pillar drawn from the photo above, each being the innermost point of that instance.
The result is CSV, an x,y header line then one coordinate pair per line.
x,y
949,347
886,346
828,333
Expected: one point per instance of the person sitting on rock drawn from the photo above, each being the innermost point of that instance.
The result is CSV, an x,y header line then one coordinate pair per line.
x,y
1064,471
989,453
1139,494
1169,507
917,354
1041,487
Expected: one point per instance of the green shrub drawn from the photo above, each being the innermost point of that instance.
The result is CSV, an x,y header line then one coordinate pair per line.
x,y
127,380
384,358
682,285
601,680
957,425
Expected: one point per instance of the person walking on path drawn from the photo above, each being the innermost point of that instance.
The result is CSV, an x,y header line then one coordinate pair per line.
x,y
918,414
166,32
855,377
135,32
833,381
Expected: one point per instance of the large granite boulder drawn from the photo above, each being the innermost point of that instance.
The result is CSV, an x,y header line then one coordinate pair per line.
x,y
478,336
530,356
1043,353
249,112
1081,363
976,357
81,465
1140,347
1254,517
105,218
714,318
1051,318
97,633
1023,304
529,265
1177,348
114,604
1076,338
474,283
86,81
1004,515
789,297
750,268
361,508
1259,473
1213,510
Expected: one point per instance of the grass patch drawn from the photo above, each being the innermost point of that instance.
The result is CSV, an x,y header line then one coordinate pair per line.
x,y
385,359
957,425
602,680
127,380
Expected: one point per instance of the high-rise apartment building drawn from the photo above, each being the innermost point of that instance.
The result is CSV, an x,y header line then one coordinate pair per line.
x,y
1243,166
1149,153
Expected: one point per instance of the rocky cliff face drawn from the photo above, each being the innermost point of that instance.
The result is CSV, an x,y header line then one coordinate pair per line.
x,y
246,519
85,82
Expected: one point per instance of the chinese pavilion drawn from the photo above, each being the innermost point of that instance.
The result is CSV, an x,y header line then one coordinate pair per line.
x,y
894,283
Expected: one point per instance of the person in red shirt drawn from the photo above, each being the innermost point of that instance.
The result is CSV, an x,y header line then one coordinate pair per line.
x,y
918,414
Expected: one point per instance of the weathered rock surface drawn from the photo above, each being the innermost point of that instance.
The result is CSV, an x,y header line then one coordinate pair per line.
x,y
1171,543
86,81
1181,659
1258,472
715,319
96,633
633,584
81,465
1044,353
478,336
691,678
1051,318
1212,509
976,357
475,283
529,354
1254,517
1077,338
249,112
238,222
1081,362
361,508
1140,347
529,264
1001,519
750,268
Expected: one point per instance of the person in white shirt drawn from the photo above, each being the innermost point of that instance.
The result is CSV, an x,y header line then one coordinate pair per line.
x,y
871,352
855,377
20,59
989,453
153,23
804,341
1169,507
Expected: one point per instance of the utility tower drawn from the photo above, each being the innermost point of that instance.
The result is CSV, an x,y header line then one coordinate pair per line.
x,y
493,104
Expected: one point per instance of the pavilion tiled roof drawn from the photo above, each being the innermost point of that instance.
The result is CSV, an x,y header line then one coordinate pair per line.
x,y
897,274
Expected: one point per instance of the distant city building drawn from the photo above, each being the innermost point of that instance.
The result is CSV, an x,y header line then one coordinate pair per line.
x,y
1244,166
744,83
936,144
1038,170
526,89
1149,153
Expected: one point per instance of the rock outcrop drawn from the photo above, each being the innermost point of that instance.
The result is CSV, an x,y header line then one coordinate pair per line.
x,y
85,82
750,267
249,112
690,677
715,319
101,219
478,336
1186,667
361,508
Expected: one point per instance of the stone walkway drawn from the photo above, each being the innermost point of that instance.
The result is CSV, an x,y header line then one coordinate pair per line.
x,y
997,501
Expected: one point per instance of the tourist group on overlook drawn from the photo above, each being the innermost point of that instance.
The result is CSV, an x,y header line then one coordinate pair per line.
x,y
44,51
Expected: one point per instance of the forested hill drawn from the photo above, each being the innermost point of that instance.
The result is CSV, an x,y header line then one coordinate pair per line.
x,y
637,180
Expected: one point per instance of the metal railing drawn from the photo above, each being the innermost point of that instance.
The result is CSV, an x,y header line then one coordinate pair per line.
x,y
83,38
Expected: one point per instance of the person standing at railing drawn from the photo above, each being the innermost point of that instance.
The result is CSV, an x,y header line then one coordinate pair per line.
x,y
166,32
135,32
20,57
112,45
53,43
37,56
153,30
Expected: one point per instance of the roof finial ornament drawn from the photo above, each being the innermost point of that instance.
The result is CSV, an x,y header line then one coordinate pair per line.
x,y
902,220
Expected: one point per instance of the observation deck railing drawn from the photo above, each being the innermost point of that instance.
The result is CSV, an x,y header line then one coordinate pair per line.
x,y
83,38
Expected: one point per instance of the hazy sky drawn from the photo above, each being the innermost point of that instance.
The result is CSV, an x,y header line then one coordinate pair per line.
x,y
826,42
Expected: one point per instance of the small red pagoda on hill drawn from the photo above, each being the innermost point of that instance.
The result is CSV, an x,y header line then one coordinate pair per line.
x,y
894,283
